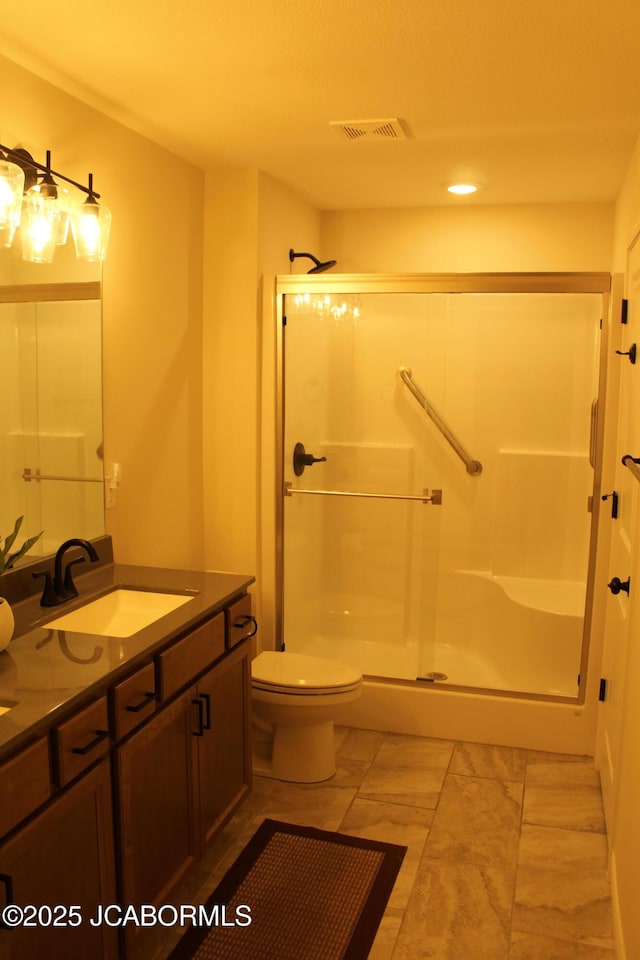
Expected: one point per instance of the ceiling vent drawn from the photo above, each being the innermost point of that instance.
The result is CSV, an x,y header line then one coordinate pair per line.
x,y
370,129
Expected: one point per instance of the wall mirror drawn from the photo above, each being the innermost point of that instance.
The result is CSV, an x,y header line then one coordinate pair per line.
x,y
51,467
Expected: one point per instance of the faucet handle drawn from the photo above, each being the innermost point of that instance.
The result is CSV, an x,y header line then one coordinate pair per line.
x,y
49,596
69,586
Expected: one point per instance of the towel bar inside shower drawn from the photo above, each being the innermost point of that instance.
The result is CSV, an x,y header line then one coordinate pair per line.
x,y
435,497
28,475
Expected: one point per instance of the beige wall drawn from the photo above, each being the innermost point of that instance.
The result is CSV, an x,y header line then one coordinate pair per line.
x,y
473,238
152,312
251,221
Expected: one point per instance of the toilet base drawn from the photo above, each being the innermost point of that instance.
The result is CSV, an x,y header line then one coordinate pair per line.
x,y
299,754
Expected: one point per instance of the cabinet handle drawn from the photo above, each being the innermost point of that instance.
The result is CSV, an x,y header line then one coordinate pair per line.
x,y
244,622
200,706
101,735
207,702
148,698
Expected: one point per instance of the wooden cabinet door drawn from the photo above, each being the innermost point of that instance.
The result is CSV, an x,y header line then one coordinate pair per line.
x,y
224,761
155,780
63,856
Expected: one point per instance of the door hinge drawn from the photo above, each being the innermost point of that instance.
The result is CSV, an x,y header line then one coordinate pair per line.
x,y
284,320
602,695
624,308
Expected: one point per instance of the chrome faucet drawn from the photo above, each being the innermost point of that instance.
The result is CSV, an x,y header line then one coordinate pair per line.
x,y
62,587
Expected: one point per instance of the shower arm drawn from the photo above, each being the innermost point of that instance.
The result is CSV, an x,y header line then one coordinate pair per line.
x,y
474,467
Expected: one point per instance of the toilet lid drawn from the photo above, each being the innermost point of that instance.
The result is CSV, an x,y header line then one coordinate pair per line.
x,y
302,673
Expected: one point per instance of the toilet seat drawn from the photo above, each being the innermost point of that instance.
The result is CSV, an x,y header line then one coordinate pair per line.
x,y
301,675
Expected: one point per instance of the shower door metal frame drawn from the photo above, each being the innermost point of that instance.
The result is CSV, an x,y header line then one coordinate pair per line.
x,y
276,288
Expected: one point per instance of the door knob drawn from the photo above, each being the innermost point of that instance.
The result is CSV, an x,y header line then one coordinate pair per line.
x,y
302,459
617,585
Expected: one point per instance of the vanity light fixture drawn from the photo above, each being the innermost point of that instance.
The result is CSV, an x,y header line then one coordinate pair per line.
x,y
31,198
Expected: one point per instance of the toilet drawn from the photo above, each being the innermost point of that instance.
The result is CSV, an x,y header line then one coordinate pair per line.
x,y
296,699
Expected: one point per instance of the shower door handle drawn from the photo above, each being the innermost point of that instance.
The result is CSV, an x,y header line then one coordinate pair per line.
x,y
302,459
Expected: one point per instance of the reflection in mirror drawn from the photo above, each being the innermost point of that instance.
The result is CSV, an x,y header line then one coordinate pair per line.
x,y
51,469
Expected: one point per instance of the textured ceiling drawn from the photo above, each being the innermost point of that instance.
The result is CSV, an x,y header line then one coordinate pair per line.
x,y
539,100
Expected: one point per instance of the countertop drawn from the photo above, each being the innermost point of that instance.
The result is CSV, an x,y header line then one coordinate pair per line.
x,y
46,672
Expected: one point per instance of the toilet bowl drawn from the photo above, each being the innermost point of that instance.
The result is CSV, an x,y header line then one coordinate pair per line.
x,y
296,699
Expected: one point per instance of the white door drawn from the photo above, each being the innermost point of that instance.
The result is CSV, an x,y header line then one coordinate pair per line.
x,y
625,547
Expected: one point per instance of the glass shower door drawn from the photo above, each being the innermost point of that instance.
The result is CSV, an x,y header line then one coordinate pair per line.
x,y
485,396
361,519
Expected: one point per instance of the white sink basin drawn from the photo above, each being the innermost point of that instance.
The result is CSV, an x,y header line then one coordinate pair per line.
x,y
120,613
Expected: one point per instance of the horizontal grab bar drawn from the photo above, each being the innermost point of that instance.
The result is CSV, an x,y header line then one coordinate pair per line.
x,y
633,463
474,467
29,475
435,497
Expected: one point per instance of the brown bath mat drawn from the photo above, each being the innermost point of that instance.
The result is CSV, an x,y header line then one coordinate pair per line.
x,y
310,895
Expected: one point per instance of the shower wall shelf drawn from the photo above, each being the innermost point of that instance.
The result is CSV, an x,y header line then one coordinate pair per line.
x,y
435,497
474,467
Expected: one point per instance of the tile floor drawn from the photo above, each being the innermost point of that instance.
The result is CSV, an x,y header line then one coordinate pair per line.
x,y
507,852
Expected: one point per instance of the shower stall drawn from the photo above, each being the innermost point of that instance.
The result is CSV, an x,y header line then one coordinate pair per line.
x,y
438,496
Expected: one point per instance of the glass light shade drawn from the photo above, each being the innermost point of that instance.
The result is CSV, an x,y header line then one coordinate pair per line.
x,y
11,189
63,201
39,229
90,226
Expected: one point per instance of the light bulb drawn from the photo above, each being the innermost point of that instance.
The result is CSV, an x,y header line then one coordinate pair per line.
x,y
40,220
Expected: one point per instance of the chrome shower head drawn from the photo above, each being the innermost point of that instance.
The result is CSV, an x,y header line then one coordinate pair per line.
x,y
319,266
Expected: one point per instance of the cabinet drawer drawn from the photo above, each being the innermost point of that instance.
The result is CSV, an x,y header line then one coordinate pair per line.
x,y
80,741
183,661
239,621
26,784
133,700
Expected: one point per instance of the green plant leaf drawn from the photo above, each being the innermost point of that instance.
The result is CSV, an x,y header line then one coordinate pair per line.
x,y
8,543
11,559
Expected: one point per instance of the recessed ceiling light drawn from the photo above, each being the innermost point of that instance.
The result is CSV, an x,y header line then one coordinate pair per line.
x,y
462,189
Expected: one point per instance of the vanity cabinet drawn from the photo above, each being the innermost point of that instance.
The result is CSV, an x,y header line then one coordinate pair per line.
x,y
65,856
116,800
154,778
223,756
180,776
